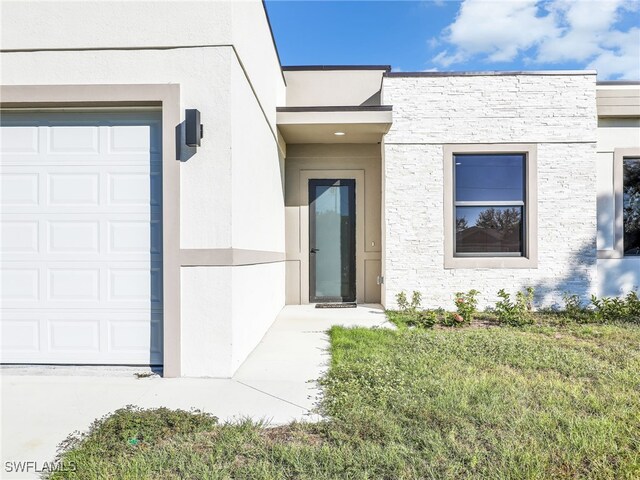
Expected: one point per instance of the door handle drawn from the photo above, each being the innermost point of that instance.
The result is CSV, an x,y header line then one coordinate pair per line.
x,y
314,250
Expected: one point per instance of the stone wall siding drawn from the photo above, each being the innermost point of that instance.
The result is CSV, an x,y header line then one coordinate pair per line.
x,y
558,113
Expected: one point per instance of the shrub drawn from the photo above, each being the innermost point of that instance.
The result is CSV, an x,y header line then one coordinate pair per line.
x,y
412,315
135,427
633,305
401,300
574,309
572,303
424,319
452,319
466,304
611,309
515,313
416,300
407,307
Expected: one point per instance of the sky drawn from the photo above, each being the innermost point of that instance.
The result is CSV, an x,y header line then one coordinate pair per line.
x,y
462,35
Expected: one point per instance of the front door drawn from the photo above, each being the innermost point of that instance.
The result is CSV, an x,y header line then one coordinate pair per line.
x,y
332,240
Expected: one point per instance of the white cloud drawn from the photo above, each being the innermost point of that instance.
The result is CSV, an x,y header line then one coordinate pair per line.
x,y
623,59
545,32
499,29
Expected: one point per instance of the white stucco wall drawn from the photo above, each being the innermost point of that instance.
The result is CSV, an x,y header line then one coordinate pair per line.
x,y
556,112
221,54
258,196
616,276
333,87
229,310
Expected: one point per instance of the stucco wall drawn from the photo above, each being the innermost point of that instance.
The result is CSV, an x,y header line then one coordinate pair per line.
x,y
616,276
222,56
556,112
333,87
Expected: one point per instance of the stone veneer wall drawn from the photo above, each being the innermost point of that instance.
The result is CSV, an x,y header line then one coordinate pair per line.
x,y
555,111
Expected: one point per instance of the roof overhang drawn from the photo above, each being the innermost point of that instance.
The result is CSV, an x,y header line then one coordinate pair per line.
x,y
618,99
359,124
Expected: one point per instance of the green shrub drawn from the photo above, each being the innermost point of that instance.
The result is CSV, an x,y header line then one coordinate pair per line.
x,y
575,310
416,300
424,319
466,304
615,309
633,305
515,313
411,314
401,300
134,427
405,306
452,319
572,303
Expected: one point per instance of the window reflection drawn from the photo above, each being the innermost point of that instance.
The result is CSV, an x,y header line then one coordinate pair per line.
x,y
631,205
489,178
488,229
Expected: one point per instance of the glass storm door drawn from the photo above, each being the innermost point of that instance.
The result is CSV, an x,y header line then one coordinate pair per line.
x,y
332,240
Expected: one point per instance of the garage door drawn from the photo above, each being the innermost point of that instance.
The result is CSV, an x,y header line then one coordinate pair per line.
x,y
81,238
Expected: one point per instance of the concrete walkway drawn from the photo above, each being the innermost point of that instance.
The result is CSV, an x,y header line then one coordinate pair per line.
x,y
42,405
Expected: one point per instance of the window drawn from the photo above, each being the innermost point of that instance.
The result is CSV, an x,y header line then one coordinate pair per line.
x,y
626,193
631,205
490,206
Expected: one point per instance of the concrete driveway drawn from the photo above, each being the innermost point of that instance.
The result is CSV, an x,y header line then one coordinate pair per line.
x,y
42,405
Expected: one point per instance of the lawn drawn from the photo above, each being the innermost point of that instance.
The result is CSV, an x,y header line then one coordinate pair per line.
x,y
535,402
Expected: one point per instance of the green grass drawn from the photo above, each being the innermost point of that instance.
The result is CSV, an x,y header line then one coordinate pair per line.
x,y
540,402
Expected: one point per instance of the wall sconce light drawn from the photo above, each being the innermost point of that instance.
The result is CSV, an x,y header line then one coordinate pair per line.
x,y
193,128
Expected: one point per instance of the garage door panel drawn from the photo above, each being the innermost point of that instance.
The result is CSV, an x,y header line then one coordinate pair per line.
x,y
135,286
20,139
73,189
20,285
19,237
69,189
20,335
81,239
74,285
73,236
92,338
73,139
134,188
129,139
19,189
79,334
99,285
139,237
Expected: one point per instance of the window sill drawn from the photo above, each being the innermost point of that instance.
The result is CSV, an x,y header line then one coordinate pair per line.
x,y
614,254
490,262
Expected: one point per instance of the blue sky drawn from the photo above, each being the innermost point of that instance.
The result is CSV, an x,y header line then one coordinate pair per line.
x,y
447,35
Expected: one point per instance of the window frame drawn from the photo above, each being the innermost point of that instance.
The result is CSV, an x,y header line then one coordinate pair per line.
x,y
619,156
529,256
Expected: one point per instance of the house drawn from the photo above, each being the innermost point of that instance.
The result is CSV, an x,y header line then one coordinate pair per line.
x,y
127,238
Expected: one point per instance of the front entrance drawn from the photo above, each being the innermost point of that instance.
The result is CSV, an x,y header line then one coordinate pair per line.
x,y
332,240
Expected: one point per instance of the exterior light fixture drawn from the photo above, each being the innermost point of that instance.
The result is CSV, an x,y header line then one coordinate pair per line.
x,y
193,128
339,134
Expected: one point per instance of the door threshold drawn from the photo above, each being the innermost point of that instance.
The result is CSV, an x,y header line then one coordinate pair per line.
x,y
337,305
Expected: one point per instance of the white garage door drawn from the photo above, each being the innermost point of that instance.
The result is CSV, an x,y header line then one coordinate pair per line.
x,y
81,241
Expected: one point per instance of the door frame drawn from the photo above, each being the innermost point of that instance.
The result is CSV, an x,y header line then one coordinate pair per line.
x,y
303,201
350,182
